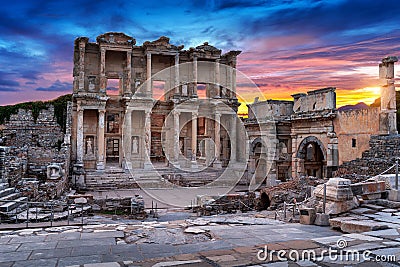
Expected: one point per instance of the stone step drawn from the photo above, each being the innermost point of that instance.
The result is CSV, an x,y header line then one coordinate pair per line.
x,y
11,196
3,186
7,207
6,191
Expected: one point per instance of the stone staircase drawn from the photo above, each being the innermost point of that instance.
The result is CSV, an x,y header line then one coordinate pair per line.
x,y
162,177
11,201
109,179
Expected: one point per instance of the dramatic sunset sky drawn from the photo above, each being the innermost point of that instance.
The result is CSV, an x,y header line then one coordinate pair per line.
x,y
288,46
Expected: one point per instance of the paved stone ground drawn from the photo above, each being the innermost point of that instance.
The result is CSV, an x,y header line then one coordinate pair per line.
x,y
232,240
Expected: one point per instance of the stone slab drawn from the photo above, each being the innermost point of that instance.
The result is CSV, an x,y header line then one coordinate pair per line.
x,y
353,226
14,256
68,261
86,242
39,262
49,253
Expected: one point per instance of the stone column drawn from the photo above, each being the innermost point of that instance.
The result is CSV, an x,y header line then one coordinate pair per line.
x,y
194,136
147,140
176,136
2,164
79,136
103,79
127,85
194,93
176,93
148,74
233,138
127,139
217,79
100,141
388,96
294,158
217,139
82,46
233,89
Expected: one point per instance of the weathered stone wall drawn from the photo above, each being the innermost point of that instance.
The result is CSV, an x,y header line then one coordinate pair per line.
x,y
277,109
381,155
354,129
33,145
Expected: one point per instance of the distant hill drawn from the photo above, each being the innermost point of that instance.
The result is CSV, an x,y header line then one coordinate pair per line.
x,y
360,105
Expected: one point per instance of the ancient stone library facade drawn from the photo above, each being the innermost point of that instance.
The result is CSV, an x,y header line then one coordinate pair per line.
x,y
138,106
135,106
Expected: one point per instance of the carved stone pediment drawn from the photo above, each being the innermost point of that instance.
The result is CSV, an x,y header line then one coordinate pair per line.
x,y
162,43
116,38
208,48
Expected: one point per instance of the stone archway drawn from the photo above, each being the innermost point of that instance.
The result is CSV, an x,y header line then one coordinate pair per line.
x,y
312,157
258,160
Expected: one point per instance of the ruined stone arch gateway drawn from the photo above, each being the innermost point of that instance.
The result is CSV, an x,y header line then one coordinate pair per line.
x,y
313,137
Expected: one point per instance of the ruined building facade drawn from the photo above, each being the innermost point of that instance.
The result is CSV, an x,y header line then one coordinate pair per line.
x,y
134,106
313,138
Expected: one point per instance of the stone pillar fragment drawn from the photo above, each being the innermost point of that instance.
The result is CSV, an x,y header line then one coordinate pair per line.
x,y
217,135
388,96
147,139
82,46
217,79
127,138
100,141
194,93
176,92
233,137
148,74
176,135
79,136
128,81
103,79
194,141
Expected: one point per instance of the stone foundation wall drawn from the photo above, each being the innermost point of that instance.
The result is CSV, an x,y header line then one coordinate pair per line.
x,y
381,155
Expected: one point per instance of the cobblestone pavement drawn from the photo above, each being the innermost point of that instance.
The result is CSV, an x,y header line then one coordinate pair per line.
x,y
225,240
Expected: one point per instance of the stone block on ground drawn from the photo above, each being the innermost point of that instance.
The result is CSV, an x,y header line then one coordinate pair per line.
x,y
322,219
348,225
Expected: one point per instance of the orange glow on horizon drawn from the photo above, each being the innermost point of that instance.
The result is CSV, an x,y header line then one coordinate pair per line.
x,y
343,97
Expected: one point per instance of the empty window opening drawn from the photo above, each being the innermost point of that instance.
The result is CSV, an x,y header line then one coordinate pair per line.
x,y
202,91
113,86
159,90
353,142
112,123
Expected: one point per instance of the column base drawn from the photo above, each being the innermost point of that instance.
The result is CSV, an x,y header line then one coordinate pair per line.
x,y
128,166
100,166
193,165
148,166
217,164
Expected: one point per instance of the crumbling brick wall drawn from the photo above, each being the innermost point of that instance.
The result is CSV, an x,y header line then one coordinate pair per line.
x,y
381,155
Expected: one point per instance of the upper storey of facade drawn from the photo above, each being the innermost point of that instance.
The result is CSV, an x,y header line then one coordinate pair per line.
x,y
115,66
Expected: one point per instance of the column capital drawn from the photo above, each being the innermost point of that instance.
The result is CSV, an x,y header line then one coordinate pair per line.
x,y
218,115
148,55
195,114
176,112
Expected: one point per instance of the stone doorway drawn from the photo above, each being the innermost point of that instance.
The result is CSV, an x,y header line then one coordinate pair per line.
x,y
312,157
112,151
